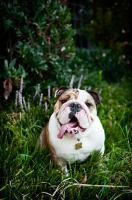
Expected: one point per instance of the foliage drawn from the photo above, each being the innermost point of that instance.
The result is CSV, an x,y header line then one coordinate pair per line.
x,y
95,64
109,26
36,39
109,65
26,170
10,70
37,45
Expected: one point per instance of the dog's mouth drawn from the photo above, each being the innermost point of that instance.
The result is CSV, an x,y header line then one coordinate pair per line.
x,y
70,129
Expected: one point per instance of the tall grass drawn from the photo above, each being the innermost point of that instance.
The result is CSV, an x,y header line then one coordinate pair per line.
x,y
26,170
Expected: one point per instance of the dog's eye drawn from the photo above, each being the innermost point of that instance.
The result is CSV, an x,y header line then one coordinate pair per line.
x,y
63,101
89,105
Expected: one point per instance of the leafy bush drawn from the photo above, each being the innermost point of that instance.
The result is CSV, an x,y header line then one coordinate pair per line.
x,y
109,25
36,38
95,64
108,65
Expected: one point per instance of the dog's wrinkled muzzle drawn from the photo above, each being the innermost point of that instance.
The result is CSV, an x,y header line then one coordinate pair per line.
x,y
75,108
77,118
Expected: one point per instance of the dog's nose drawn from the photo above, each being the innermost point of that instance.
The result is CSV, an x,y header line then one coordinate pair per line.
x,y
75,107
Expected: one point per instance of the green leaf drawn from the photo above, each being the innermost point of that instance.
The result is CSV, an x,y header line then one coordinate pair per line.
x,y
12,63
44,67
63,48
6,63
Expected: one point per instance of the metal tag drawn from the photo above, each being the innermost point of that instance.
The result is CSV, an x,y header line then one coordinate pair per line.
x,y
78,145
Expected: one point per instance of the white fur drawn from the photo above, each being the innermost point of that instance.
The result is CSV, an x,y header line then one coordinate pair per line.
x,y
92,139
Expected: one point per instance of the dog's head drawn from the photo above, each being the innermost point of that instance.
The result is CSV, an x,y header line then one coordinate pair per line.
x,y
75,110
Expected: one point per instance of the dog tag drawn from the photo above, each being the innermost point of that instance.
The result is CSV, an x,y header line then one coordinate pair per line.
x,y
78,145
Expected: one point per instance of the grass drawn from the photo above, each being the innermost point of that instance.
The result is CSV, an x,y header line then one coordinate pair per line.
x,y
26,170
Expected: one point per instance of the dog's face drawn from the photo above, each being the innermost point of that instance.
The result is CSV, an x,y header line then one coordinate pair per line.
x,y
75,111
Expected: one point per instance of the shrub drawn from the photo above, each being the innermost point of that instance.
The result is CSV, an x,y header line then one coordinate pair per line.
x,y
109,26
97,64
36,39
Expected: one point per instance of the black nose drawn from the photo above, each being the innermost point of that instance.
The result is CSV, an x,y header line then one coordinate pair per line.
x,y
75,107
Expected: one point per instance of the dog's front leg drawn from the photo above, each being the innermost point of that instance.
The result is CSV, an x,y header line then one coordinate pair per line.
x,y
60,162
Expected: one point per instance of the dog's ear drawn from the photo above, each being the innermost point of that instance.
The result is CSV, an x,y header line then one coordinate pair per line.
x,y
61,90
97,98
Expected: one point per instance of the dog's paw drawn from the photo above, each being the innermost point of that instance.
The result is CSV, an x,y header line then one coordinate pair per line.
x,y
65,170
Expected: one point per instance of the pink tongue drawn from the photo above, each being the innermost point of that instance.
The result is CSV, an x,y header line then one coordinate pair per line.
x,y
64,128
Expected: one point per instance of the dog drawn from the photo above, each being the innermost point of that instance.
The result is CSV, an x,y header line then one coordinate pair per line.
x,y
74,129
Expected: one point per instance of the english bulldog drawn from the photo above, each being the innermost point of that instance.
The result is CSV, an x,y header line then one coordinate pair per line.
x,y
74,129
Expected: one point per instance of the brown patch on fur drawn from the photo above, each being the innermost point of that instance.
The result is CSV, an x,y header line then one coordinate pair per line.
x,y
67,95
44,141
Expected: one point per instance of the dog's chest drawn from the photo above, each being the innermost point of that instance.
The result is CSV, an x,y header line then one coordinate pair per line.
x,y
76,148
72,149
